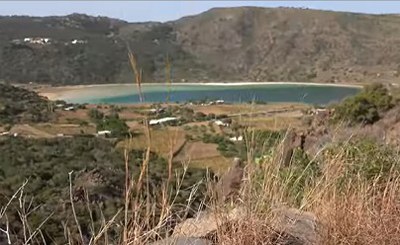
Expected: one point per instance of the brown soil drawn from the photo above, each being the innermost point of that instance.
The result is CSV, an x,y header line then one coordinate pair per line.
x,y
197,150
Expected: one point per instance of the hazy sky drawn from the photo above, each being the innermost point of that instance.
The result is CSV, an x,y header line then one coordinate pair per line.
x,y
170,10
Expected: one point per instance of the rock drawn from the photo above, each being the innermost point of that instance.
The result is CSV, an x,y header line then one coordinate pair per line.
x,y
183,241
290,226
288,146
229,185
299,226
207,223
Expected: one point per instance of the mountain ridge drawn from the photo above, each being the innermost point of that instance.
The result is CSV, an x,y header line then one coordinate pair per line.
x,y
221,44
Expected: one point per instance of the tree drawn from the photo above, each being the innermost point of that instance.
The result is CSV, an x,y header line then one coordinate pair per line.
x,y
117,126
95,114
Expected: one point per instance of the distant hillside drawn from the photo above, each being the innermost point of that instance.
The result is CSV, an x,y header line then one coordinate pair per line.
x,y
20,105
248,43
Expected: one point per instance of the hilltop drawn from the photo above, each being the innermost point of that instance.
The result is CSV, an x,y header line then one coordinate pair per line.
x,y
222,44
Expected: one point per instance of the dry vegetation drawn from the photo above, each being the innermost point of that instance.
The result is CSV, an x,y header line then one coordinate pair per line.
x,y
162,141
350,208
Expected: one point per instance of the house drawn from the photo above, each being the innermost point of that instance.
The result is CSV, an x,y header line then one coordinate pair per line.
x,y
162,120
77,41
104,133
70,108
157,110
4,133
322,112
37,40
235,139
221,123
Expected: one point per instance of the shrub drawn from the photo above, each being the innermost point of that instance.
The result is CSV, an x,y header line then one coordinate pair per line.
x,y
365,107
117,126
95,114
357,110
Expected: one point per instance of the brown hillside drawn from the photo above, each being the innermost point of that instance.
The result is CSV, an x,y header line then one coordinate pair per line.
x,y
292,44
222,44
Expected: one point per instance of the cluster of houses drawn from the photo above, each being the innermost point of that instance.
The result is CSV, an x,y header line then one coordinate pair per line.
x,y
37,40
45,41
33,40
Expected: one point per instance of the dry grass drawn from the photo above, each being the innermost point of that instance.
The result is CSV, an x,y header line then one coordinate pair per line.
x,y
349,210
162,140
26,130
66,129
271,123
218,164
197,150
246,108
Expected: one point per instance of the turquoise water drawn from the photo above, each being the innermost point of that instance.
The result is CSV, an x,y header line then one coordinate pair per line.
x,y
312,94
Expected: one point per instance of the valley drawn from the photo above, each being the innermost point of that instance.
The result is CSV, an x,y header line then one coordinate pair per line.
x,y
241,125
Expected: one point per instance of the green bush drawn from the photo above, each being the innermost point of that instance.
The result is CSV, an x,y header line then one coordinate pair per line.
x,y
366,107
98,172
357,110
366,159
95,114
116,125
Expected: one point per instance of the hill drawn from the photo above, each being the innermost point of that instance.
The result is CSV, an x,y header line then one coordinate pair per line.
x,y
246,43
21,105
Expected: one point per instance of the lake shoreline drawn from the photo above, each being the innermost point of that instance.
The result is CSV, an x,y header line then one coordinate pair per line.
x,y
92,90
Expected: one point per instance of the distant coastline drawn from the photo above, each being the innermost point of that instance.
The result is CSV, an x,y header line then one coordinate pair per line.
x,y
95,90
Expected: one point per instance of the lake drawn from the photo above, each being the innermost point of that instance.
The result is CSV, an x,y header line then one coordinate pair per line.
x,y
127,94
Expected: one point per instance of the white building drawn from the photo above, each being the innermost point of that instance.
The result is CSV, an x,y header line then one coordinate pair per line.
x,y
219,102
104,133
162,120
221,123
4,133
70,108
157,110
77,41
235,139
37,40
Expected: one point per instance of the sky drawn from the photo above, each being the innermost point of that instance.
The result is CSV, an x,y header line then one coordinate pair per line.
x,y
139,11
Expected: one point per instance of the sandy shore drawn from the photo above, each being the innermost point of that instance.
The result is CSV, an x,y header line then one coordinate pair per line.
x,y
104,90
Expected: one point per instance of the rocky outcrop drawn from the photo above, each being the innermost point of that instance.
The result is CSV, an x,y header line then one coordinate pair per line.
x,y
183,241
228,186
286,226
300,227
